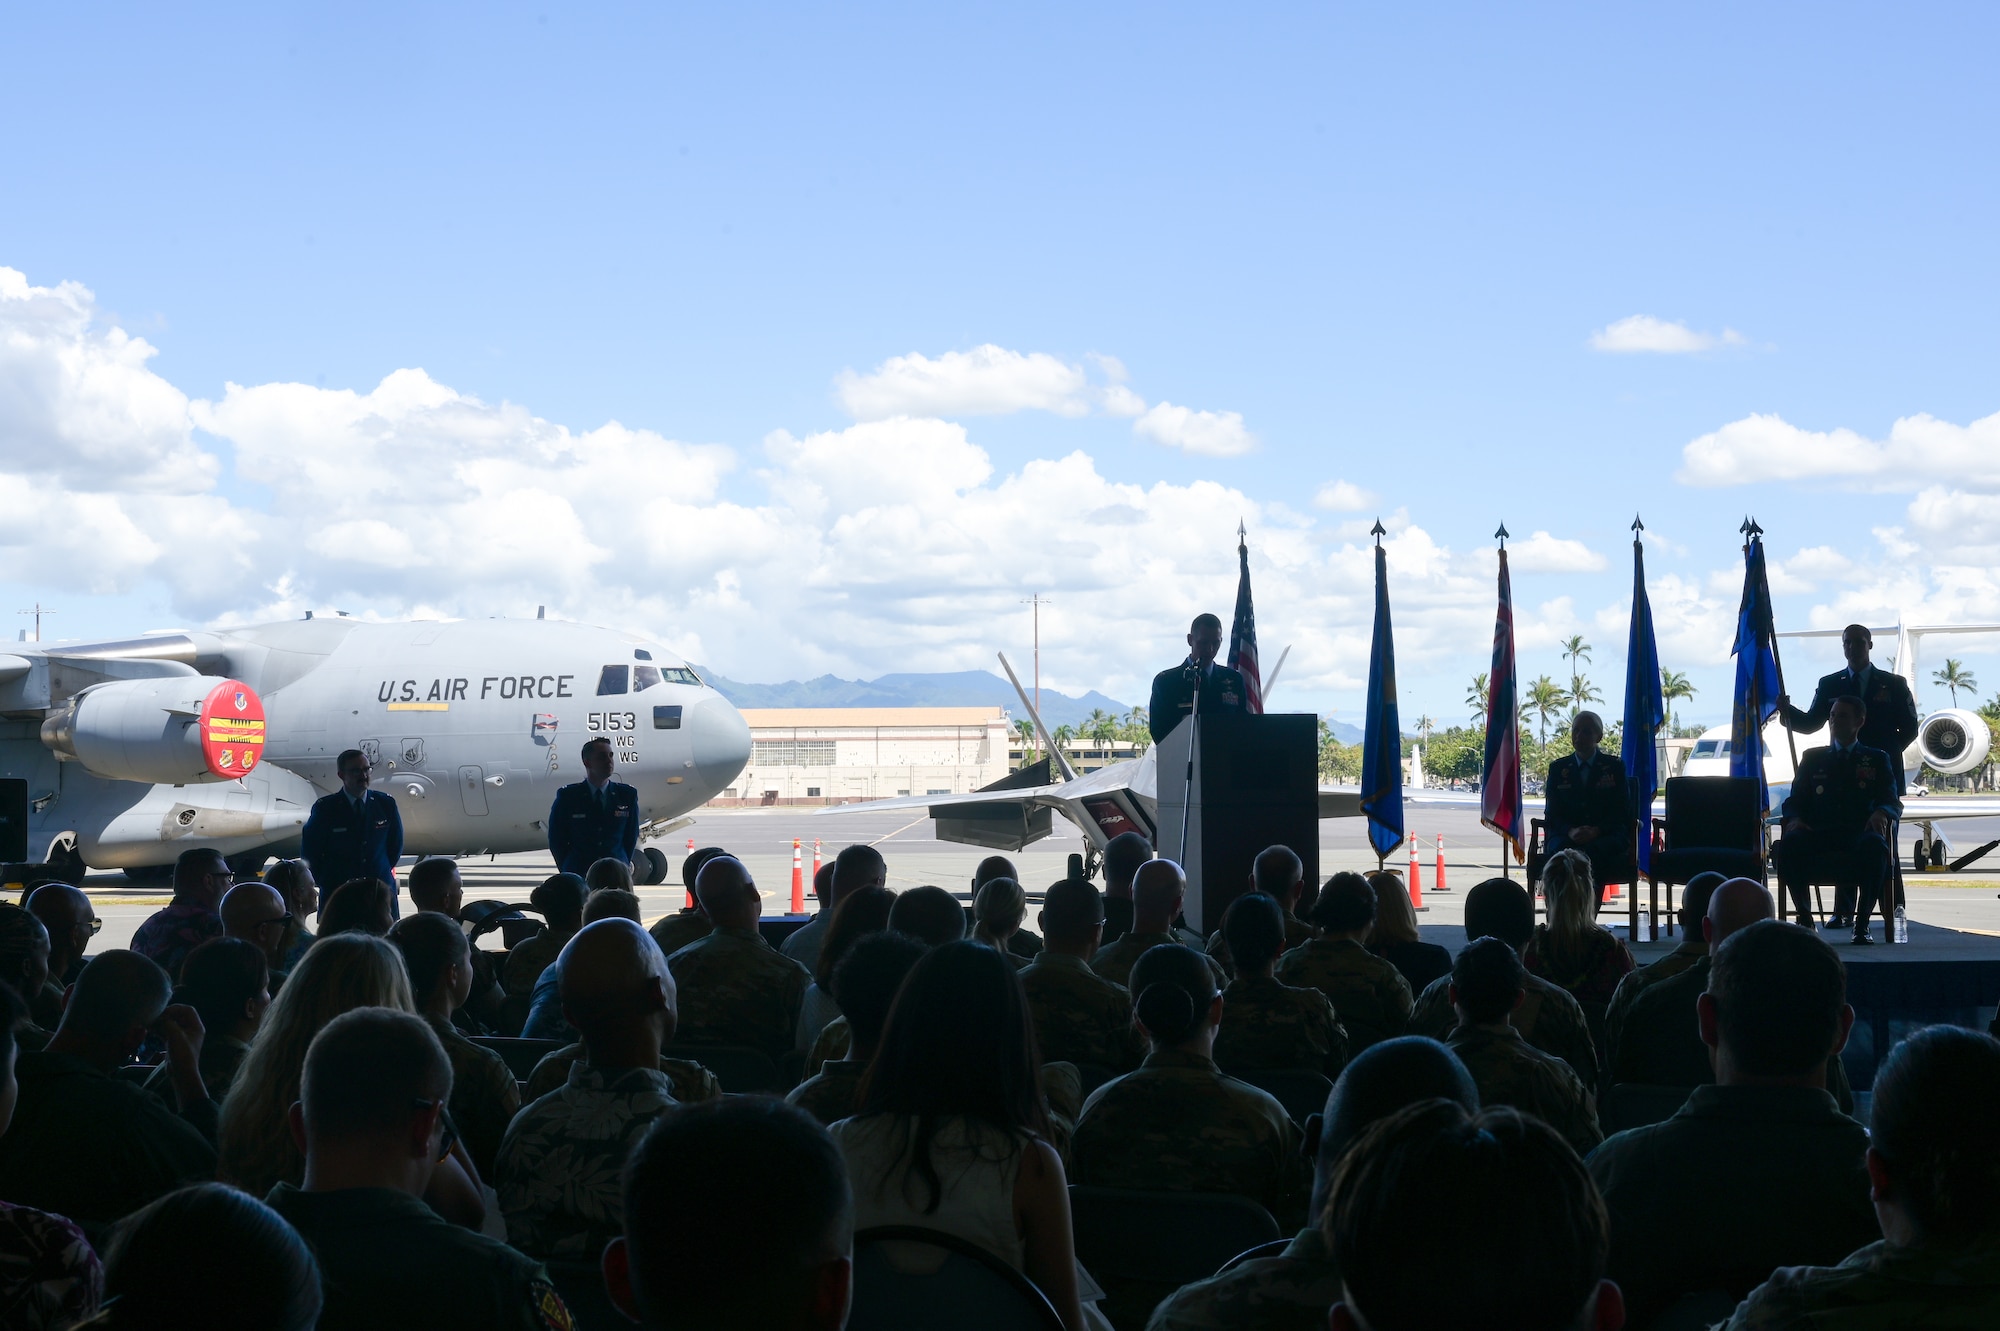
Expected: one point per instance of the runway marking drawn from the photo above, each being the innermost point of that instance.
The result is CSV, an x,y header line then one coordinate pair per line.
x,y
899,831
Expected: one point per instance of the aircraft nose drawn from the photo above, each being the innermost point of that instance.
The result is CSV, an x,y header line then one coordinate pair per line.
x,y
718,742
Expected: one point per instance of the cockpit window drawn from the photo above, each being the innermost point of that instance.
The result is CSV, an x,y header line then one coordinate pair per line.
x,y
680,675
644,677
612,679
1704,748
641,654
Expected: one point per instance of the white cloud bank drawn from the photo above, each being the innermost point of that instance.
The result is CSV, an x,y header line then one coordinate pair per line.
x,y
1643,334
1919,448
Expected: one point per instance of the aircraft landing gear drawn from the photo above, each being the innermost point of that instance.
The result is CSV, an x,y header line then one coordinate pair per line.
x,y
657,866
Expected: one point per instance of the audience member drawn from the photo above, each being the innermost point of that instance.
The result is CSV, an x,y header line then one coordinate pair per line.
x,y
71,922
1298,1287
209,1256
866,981
559,1166
676,931
1499,1191
1278,873
49,1276
1370,996
359,905
737,988
1178,1123
611,903
435,885
1021,942
737,1214
1487,984
1158,891
371,1116
201,876
1691,949
998,909
692,1082
806,938
928,914
1760,1170
608,874
1266,1024
254,912
854,868
1572,949
340,972
559,901
484,1095
294,881
1934,1168
24,968
1080,1017
227,982
1548,1018
1395,938
86,1144
953,1132
864,910
1124,855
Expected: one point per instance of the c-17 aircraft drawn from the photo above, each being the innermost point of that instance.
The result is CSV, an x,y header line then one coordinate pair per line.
x,y
134,750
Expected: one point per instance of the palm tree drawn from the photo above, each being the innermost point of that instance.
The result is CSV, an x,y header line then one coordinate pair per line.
x,y
1025,732
1475,698
1575,649
1101,727
1954,677
1674,684
1424,726
1544,701
1581,691
1063,736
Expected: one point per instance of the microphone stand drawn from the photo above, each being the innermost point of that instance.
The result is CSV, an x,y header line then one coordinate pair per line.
x,y
1194,738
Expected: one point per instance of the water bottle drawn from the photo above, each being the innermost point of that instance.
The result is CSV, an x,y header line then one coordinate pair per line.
x,y
1902,925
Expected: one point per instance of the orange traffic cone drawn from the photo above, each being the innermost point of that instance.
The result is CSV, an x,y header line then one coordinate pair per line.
x,y
689,903
798,880
815,859
1437,884
1416,879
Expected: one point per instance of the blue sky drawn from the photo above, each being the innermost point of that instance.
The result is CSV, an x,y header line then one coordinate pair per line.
x,y
770,243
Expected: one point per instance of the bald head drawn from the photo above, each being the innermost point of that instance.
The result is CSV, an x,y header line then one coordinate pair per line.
x,y
1278,873
1736,904
66,913
1157,890
993,866
117,997
255,913
615,983
728,894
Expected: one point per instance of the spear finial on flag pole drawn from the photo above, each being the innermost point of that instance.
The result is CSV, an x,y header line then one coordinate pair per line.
x,y
1501,536
1378,531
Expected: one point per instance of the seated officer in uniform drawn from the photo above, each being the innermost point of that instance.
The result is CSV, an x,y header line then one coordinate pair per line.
x,y
1173,690
1891,721
371,1114
596,818
355,832
1587,804
1837,819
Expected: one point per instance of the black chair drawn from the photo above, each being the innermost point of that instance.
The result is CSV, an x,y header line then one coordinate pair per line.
x,y
1711,824
1634,1104
519,1055
1892,891
907,1278
741,1069
581,1284
1142,1246
1302,1093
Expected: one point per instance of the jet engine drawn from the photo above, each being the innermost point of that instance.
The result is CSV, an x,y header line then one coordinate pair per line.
x,y
1953,741
179,730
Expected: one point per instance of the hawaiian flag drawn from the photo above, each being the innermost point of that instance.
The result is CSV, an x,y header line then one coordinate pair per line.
x,y
1645,707
1756,653
1500,779
1382,733
1243,632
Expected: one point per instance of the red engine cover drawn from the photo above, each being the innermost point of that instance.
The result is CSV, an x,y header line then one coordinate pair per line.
x,y
232,729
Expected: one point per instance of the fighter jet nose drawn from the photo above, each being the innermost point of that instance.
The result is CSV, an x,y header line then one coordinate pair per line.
x,y
718,742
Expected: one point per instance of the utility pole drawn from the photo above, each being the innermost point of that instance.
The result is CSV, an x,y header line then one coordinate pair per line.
x,y
37,612
1037,601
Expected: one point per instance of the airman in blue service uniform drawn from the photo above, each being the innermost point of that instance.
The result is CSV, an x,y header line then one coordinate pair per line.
x,y
1892,720
1837,818
596,818
1173,690
355,832
1588,807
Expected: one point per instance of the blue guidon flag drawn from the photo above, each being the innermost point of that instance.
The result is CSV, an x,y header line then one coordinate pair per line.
x,y
1756,654
1500,775
1645,707
1243,632
1382,736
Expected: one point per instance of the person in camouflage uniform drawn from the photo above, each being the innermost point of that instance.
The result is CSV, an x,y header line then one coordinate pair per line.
x,y
559,899
1080,1017
865,982
1693,947
1549,1018
735,988
1157,893
1487,982
1293,1290
688,924
484,1096
1934,1162
1267,1025
1370,996
1278,873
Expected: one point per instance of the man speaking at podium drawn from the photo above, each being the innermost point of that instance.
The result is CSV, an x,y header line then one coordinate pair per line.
x,y
1174,690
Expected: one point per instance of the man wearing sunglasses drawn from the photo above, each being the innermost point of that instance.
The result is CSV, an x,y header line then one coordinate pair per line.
x,y
72,922
255,913
200,878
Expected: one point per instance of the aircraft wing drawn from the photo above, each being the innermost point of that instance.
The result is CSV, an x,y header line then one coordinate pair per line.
x,y
1930,809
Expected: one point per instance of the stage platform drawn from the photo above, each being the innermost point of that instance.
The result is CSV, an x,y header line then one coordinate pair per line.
x,y
1941,976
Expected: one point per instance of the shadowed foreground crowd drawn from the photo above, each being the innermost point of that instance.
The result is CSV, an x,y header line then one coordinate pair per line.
x,y
239,1124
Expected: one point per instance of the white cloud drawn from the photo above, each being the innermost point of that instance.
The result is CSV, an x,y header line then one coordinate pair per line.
x,y
1543,553
1919,448
986,381
1640,333
1216,434
1344,497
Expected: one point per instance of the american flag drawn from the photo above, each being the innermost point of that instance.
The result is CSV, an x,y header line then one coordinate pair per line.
x,y
1243,632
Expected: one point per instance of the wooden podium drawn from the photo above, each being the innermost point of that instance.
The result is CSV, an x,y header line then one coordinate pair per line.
x,y
1256,784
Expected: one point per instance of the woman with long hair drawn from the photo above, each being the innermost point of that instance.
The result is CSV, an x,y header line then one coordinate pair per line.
x,y
1395,938
863,911
1571,949
293,880
359,905
953,1130
997,913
